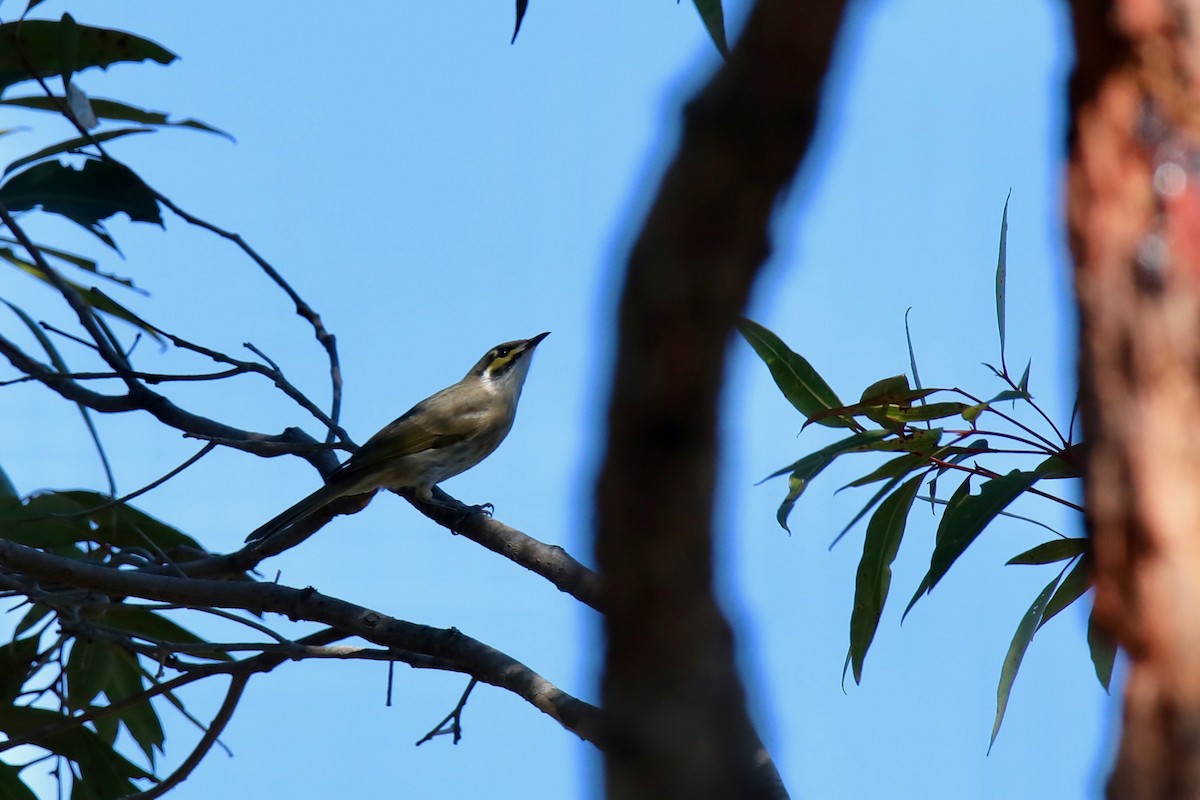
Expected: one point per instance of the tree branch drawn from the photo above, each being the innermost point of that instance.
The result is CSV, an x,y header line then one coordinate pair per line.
x,y
472,657
670,682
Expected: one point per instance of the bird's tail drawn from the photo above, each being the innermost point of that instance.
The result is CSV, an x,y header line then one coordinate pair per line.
x,y
326,494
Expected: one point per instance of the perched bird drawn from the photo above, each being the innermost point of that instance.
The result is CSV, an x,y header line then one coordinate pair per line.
x,y
436,439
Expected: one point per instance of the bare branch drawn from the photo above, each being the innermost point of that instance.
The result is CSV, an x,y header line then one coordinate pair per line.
x,y
453,719
472,657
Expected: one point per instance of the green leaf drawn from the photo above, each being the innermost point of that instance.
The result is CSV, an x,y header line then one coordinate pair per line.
x,y
971,413
112,109
1023,384
1103,649
522,6
1011,394
1057,467
964,522
862,512
874,578
73,144
140,719
1016,651
90,295
11,785
121,525
36,613
1001,269
36,44
6,486
1071,589
897,467
956,499
106,770
714,21
88,669
86,197
795,377
881,391
925,413
16,667
807,468
1052,551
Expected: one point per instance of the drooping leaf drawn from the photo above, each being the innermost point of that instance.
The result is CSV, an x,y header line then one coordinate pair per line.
x,y
1001,269
140,719
807,468
963,523
72,144
795,377
1052,551
1016,651
112,109
90,295
714,21
897,467
87,197
1071,589
874,577
1103,649
956,498
862,512
522,7
37,45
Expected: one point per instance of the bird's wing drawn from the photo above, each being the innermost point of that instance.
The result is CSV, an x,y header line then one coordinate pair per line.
x,y
406,435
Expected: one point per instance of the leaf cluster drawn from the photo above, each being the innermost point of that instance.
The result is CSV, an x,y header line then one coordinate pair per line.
x,y
895,417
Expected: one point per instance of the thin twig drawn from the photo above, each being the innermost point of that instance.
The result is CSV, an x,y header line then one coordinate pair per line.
x,y
453,719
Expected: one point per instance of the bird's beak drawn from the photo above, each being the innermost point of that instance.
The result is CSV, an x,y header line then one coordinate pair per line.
x,y
532,343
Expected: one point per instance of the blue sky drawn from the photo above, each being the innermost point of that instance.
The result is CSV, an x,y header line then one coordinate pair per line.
x,y
432,191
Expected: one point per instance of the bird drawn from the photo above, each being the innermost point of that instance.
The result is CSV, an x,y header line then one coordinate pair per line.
x,y
445,434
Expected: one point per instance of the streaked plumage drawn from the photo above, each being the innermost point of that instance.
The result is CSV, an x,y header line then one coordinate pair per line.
x,y
441,436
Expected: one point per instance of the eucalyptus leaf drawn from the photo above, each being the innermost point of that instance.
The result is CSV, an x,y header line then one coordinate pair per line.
x,y
874,577
800,383
1016,652
1052,551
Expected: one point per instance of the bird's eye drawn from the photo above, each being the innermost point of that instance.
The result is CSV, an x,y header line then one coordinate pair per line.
x,y
501,352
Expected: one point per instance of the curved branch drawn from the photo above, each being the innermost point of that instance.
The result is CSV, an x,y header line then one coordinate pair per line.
x,y
470,655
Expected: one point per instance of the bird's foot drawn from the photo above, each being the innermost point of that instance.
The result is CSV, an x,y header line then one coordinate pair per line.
x,y
466,512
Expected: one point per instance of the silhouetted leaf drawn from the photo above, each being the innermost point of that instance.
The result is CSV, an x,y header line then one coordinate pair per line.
x,y
37,45
73,144
86,197
106,771
6,486
963,523
807,468
897,467
874,577
11,785
1001,269
1103,649
1016,651
1071,589
924,413
16,667
1057,467
1051,551
956,498
36,613
522,6
1023,384
112,109
795,377
714,22
912,356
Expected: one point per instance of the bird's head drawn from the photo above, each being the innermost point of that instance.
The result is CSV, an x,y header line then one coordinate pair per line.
x,y
504,367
